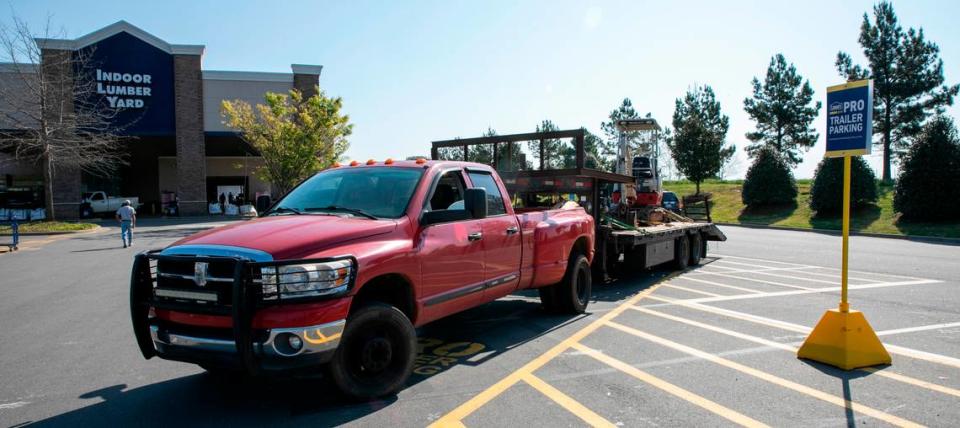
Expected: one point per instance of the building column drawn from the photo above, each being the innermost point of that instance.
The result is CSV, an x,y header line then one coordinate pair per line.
x,y
66,179
191,145
306,78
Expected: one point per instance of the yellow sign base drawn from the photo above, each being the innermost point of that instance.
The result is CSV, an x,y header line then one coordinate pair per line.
x,y
844,340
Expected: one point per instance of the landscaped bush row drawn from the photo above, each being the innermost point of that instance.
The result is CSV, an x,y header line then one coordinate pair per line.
x,y
927,188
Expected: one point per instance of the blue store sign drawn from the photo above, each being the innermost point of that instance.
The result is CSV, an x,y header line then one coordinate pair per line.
x,y
134,82
850,119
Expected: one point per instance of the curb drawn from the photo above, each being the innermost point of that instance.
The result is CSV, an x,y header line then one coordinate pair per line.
x,y
932,239
71,232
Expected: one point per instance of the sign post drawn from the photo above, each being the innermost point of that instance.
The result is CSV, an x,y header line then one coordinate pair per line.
x,y
843,338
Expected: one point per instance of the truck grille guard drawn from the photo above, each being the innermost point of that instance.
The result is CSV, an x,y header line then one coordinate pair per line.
x,y
246,297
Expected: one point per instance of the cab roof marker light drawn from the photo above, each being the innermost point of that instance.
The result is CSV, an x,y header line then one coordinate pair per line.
x,y
421,161
336,164
354,163
371,161
389,161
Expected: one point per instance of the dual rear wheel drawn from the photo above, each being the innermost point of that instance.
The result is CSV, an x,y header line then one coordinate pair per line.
x,y
572,294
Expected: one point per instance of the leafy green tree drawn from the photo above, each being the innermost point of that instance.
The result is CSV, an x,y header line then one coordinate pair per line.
x,y
927,188
296,137
769,180
907,75
781,107
826,193
699,135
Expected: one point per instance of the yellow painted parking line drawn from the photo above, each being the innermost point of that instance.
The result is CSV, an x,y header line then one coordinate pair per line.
x,y
762,375
690,290
675,390
717,284
566,402
793,349
456,415
893,349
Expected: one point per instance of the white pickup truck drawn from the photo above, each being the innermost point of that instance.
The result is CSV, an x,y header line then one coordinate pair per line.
x,y
94,203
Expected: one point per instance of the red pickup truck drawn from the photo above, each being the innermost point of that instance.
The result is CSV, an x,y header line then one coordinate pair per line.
x,y
341,270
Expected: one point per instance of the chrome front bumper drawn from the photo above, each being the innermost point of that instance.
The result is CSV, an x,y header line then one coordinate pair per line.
x,y
318,343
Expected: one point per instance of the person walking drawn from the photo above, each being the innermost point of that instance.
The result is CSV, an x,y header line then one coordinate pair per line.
x,y
127,216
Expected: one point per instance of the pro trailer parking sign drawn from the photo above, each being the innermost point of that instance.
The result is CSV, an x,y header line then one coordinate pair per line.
x,y
850,119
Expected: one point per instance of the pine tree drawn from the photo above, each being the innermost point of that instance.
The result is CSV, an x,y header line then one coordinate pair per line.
x,y
781,107
908,80
699,135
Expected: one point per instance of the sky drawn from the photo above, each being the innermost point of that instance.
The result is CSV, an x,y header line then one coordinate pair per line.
x,y
413,72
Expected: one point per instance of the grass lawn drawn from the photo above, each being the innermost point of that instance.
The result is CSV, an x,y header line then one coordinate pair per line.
x,y
48,226
880,218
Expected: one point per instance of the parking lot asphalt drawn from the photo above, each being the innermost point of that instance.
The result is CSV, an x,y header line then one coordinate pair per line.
x,y
712,346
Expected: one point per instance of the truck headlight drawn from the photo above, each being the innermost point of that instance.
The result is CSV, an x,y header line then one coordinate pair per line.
x,y
305,279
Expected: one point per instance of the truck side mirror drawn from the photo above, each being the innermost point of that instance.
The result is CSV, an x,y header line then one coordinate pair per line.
x,y
475,202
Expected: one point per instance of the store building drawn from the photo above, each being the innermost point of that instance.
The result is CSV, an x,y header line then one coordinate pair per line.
x,y
169,106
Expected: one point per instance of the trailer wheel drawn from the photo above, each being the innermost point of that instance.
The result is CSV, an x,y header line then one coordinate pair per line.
x,y
376,352
681,253
696,249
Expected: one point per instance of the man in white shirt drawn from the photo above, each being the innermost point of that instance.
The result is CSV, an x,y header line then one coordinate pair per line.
x,y
127,216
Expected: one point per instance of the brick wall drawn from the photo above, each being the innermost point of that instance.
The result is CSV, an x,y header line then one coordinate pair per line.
x,y
191,156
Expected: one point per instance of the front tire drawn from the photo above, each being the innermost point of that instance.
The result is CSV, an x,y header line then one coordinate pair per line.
x,y
376,352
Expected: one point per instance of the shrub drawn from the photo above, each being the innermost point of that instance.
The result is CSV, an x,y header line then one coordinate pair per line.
x,y
927,188
826,193
769,181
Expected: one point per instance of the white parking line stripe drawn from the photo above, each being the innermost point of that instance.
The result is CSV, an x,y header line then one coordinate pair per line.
x,y
884,373
818,267
800,268
732,287
690,290
918,328
893,349
798,292
799,287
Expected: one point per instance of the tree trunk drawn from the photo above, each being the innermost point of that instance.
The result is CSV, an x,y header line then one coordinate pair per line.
x,y
698,187
886,147
48,188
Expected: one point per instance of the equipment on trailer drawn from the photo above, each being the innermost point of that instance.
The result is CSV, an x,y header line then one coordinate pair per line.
x,y
643,137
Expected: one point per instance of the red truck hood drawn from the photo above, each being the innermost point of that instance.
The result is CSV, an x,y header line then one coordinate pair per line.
x,y
291,236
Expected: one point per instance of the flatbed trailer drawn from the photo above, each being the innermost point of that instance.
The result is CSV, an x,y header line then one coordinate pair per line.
x,y
534,187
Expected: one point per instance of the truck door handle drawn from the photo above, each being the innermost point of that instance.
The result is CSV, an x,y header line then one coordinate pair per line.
x,y
512,229
475,236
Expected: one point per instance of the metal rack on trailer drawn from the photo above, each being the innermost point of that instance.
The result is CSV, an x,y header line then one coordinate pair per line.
x,y
559,176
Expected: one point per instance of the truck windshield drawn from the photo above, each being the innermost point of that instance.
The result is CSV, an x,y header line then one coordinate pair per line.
x,y
382,192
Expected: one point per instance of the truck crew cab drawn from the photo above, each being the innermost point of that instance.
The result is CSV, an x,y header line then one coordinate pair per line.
x,y
340,271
